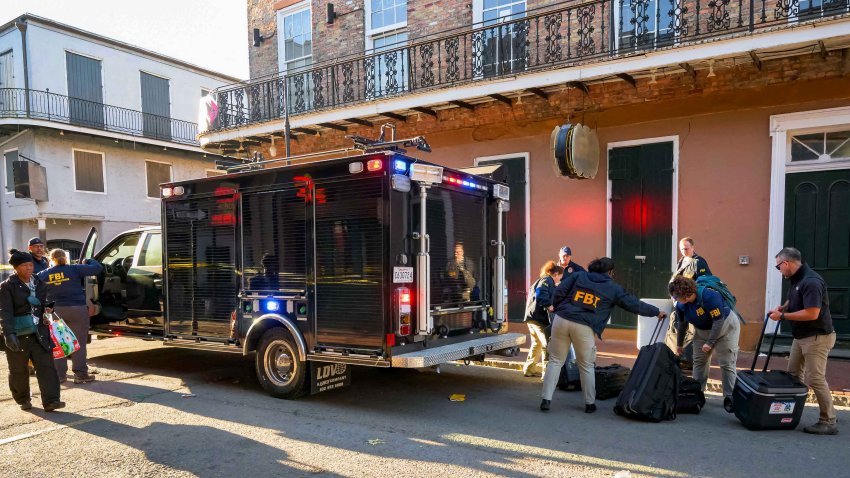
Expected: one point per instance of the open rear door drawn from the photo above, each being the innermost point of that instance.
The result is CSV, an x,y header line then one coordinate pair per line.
x,y
87,252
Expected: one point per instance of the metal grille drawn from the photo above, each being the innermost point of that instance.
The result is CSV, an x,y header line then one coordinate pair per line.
x,y
274,241
350,263
201,265
456,226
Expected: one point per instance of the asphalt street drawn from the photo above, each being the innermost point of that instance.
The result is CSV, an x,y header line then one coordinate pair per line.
x,y
157,411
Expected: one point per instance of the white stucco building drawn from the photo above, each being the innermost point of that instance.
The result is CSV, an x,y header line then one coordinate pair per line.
x,y
108,122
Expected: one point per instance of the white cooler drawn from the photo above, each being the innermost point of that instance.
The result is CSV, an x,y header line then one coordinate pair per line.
x,y
646,325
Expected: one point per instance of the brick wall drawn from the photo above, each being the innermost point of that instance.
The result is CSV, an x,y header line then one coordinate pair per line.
x,y
262,60
342,38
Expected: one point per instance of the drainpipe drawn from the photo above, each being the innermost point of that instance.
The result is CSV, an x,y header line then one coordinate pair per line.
x,y
22,26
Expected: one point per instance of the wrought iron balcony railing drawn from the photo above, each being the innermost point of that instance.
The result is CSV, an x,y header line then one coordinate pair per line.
x,y
44,105
554,37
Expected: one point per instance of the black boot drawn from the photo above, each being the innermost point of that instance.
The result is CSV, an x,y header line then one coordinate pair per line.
x,y
590,408
544,405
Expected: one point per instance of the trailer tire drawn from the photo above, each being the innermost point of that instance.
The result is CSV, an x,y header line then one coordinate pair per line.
x,y
279,371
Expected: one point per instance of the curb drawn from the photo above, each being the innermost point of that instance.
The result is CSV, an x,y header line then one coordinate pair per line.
x,y
839,399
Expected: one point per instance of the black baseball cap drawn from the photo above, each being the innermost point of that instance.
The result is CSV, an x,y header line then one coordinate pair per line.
x,y
35,240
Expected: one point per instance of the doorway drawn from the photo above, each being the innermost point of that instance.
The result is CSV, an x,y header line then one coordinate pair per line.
x,y
516,230
642,203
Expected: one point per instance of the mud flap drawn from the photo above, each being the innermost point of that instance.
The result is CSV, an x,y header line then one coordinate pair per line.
x,y
328,376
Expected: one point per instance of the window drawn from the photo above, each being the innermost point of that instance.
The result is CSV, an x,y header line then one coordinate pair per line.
x,y
389,69
120,250
71,246
205,92
157,173
504,46
89,174
151,251
387,14
11,157
644,23
816,8
296,55
821,146
7,80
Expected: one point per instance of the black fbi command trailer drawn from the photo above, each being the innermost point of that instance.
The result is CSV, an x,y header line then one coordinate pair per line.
x,y
378,259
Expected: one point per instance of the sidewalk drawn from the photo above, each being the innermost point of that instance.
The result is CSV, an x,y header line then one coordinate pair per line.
x,y
624,352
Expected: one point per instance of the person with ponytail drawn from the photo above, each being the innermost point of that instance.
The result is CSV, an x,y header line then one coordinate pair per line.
x,y
64,286
537,309
26,333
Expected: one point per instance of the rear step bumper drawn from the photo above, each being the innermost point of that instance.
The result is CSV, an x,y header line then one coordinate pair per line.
x,y
458,351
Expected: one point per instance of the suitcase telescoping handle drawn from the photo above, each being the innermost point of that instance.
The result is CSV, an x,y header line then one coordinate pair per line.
x,y
761,339
656,333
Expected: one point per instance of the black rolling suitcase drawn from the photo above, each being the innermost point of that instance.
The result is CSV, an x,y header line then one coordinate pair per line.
x,y
652,388
768,400
570,379
610,380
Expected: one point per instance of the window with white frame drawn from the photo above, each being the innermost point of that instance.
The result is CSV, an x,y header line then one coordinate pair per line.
x,y
156,173
295,54
807,9
821,146
89,171
503,47
10,157
386,23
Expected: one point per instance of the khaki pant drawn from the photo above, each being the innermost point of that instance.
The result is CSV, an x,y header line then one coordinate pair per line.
x,y
671,337
564,334
537,351
807,362
725,350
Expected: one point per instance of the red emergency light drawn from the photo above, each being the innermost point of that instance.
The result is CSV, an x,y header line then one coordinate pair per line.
x,y
374,165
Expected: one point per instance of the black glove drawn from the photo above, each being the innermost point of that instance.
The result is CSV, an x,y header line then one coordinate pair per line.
x,y
12,343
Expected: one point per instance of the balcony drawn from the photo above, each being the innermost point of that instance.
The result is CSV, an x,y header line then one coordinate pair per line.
x,y
46,106
537,41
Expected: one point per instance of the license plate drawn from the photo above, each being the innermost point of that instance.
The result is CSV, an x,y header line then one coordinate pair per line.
x,y
402,275
781,408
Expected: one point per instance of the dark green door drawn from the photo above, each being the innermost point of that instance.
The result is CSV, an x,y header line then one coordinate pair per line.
x,y
515,256
817,222
641,221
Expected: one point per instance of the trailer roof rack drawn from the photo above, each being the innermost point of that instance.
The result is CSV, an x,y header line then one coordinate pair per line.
x,y
361,146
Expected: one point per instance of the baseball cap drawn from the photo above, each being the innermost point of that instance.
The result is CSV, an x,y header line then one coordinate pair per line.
x,y
566,251
35,240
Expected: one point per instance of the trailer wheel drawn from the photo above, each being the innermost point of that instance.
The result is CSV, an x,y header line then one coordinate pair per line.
x,y
280,372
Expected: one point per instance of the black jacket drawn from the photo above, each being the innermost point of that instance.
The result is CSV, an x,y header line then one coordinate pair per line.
x,y
539,299
13,301
588,298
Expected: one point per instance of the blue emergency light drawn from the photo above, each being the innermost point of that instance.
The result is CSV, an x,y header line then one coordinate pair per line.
x,y
400,165
271,305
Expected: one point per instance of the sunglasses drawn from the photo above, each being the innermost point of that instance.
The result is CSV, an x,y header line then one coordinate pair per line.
x,y
777,265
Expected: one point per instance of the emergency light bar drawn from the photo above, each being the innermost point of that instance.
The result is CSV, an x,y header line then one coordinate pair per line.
x,y
425,173
467,183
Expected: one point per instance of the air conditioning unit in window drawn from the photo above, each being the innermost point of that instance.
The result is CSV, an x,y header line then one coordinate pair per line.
x,y
30,180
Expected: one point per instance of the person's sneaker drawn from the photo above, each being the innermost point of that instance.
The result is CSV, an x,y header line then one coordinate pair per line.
x,y
25,405
532,374
53,406
590,408
544,405
728,405
821,428
84,378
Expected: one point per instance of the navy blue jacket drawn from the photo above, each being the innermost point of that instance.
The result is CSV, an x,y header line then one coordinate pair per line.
x,y
572,267
39,265
704,311
588,298
64,283
539,299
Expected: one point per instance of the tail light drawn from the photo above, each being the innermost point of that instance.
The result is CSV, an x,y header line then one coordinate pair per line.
x,y
402,307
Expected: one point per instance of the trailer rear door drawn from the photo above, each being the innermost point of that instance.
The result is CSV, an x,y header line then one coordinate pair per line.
x,y
349,258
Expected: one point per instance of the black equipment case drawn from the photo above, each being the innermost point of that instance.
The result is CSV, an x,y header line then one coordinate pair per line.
x,y
610,380
691,397
768,400
652,388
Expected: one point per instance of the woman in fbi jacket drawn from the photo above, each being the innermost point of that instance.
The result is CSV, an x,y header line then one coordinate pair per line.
x,y
583,302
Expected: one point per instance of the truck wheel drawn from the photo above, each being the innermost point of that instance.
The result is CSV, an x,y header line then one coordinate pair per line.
x,y
280,372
